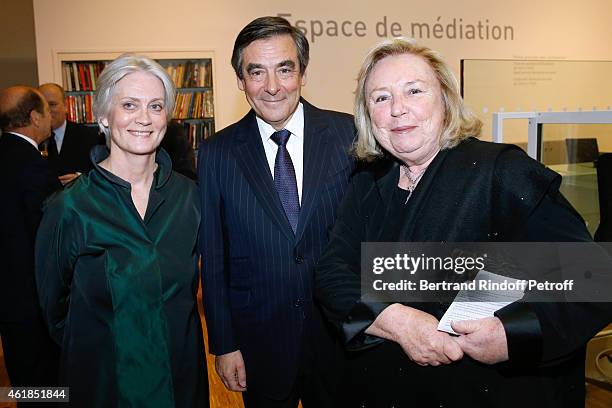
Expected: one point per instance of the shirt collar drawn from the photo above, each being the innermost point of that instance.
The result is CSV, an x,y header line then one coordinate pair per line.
x,y
295,125
59,133
162,174
27,139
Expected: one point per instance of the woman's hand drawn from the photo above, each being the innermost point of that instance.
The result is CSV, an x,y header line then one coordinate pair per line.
x,y
417,333
484,339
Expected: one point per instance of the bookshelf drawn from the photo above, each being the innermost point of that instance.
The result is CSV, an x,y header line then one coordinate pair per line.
x,y
191,72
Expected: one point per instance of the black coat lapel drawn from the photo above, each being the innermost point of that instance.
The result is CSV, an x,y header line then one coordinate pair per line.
x,y
386,174
417,208
387,179
251,157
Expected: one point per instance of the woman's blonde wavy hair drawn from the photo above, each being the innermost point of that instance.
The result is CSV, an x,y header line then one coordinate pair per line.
x,y
459,121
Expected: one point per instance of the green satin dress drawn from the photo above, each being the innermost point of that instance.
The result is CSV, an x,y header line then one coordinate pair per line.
x,y
119,292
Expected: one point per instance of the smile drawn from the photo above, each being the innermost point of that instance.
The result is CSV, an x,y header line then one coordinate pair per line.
x,y
140,132
403,129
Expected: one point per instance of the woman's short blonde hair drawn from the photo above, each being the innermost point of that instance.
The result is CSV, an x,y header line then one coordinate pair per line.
x,y
459,122
115,71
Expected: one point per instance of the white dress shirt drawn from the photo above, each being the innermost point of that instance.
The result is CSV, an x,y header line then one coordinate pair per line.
x,y
295,145
27,139
59,136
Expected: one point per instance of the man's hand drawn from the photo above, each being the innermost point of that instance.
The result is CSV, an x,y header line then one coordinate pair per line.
x,y
484,339
67,178
417,333
230,367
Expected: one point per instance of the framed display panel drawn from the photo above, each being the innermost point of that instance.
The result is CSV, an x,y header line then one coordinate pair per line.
x,y
491,86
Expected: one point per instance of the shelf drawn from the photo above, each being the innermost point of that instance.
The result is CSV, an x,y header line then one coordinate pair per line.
x,y
197,89
195,119
200,89
194,69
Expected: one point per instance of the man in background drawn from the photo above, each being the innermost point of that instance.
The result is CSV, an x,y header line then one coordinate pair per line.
x,y
68,149
176,144
270,186
31,357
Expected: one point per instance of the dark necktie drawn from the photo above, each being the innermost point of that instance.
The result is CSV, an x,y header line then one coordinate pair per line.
x,y
52,147
284,178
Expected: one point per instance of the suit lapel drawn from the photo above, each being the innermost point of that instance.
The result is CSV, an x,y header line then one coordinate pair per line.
x,y
251,157
317,159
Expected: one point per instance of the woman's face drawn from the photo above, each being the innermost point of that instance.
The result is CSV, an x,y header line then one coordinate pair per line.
x,y
137,118
404,100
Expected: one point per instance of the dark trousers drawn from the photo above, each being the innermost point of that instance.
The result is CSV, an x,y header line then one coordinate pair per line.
x,y
321,364
30,356
308,388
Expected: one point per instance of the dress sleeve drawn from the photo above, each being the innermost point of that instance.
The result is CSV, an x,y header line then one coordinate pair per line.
x,y
540,333
57,245
337,275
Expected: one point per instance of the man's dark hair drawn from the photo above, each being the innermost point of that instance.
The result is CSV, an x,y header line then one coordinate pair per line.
x,y
18,116
266,27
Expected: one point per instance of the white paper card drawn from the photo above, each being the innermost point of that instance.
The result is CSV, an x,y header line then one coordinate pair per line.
x,y
479,303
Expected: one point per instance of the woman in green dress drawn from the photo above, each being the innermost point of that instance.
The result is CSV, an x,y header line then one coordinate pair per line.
x,y
117,260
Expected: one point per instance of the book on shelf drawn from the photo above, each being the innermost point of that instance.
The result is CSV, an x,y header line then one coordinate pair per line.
x,y
198,132
194,105
75,76
81,76
79,108
190,74
93,76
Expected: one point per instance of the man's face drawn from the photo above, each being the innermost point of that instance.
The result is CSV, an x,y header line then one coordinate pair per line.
x,y
272,79
56,104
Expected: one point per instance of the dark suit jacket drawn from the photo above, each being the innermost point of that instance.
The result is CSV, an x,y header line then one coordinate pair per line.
x,y
176,144
74,155
257,275
476,192
26,181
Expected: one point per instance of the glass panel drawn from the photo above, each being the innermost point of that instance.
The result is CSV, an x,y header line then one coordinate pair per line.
x,y
572,151
515,132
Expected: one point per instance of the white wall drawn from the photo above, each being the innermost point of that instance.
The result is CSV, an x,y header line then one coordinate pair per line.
x,y
541,29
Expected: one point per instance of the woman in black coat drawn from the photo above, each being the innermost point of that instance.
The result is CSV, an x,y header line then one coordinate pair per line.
x,y
430,180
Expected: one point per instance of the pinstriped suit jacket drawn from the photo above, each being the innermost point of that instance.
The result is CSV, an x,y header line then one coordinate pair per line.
x,y
257,275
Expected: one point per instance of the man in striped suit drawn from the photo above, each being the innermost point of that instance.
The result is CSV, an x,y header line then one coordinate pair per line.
x,y
270,186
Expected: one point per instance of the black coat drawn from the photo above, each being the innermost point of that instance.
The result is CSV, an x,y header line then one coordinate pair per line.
x,y
476,192
26,181
176,144
76,146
